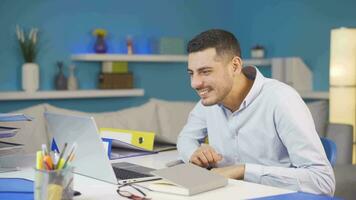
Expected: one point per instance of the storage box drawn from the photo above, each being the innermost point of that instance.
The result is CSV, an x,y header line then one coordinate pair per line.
x,y
171,45
114,67
116,81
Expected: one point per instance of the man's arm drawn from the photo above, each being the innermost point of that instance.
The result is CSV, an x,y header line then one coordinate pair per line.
x,y
310,170
194,131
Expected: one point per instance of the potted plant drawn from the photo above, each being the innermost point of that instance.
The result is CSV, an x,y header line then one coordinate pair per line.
x,y
29,48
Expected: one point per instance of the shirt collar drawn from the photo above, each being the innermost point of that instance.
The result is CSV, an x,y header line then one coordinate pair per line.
x,y
255,89
252,94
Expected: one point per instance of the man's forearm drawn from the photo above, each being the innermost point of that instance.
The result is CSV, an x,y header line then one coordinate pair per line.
x,y
234,172
186,146
313,179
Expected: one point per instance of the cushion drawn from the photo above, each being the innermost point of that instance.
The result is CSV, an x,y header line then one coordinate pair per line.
x,y
319,111
142,118
172,116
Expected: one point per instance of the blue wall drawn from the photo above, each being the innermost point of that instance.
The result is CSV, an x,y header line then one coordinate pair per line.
x,y
295,28
285,28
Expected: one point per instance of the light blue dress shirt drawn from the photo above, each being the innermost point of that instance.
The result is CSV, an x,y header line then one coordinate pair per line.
x,y
272,133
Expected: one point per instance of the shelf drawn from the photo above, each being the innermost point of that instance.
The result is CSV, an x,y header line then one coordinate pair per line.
x,y
129,58
314,95
152,58
257,62
77,94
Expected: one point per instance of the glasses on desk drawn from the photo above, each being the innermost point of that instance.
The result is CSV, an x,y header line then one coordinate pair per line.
x,y
125,193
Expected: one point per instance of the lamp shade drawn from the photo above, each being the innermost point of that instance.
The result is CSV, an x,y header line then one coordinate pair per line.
x,y
342,94
343,57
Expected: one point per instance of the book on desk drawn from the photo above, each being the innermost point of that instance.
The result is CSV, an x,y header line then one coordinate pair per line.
x,y
186,179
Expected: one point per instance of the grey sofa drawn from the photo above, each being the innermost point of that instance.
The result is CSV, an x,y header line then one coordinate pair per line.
x,y
166,119
341,134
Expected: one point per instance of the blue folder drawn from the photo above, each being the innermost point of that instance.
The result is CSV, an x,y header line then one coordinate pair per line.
x,y
298,196
16,188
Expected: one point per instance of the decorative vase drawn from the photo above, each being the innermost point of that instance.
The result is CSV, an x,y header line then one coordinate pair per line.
x,y
100,45
72,80
30,77
60,80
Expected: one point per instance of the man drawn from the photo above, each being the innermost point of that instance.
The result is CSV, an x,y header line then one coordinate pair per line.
x,y
258,129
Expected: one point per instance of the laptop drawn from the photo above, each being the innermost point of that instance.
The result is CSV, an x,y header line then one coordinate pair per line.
x,y
91,159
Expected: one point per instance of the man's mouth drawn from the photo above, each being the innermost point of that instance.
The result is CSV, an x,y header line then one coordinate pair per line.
x,y
203,92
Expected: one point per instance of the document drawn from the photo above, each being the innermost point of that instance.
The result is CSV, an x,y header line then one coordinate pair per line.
x,y
9,146
13,117
6,132
119,149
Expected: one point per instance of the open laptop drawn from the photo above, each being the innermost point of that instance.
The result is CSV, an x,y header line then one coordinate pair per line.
x,y
91,158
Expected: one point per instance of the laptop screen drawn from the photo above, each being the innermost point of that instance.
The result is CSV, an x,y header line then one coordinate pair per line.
x,y
90,158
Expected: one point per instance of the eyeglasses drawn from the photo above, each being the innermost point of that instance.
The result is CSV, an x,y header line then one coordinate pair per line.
x,y
130,195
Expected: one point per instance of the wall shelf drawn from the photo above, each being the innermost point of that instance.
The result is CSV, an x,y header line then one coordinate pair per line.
x,y
152,58
291,70
257,62
76,94
314,95
129,58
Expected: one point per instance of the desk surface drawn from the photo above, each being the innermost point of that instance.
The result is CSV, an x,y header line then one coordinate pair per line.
x,y
94,189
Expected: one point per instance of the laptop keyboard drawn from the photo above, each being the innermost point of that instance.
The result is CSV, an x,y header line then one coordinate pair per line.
x,y
126,174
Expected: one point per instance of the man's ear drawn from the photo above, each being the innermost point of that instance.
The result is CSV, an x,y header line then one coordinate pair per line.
x,y
237,64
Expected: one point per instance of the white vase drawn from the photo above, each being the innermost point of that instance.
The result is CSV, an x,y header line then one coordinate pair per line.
x,y
72,83
30,77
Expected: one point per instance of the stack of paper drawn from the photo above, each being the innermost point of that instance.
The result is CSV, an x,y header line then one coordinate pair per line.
x,y
6,132
13,117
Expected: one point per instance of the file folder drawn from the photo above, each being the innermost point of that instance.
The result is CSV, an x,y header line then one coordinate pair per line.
x,y
140,139
16,188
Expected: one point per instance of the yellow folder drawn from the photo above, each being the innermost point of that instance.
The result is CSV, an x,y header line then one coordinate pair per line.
x,y
141,139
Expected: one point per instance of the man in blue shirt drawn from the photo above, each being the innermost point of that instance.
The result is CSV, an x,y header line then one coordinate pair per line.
x,y
259,129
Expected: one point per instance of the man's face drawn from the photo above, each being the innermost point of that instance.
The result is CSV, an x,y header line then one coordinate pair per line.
x,y
210,75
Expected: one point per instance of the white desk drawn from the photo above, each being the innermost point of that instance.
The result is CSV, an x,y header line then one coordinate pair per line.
x,y
95,189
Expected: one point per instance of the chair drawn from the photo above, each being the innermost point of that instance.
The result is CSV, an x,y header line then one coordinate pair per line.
x,y
330,150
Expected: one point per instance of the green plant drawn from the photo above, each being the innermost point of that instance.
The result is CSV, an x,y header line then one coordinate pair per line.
x,y
28,45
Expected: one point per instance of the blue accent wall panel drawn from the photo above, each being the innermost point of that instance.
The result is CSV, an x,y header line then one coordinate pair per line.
x,y
286,28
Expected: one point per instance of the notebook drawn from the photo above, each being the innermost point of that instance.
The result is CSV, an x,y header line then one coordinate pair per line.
x,y
186,179
91,158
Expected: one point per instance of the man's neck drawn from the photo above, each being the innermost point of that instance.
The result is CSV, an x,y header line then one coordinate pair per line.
x,y
242,86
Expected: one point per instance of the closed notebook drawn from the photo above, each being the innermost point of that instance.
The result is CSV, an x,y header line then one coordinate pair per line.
x,y
186,179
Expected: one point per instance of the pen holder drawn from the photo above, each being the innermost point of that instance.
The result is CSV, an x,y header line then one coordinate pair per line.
x,y
54,184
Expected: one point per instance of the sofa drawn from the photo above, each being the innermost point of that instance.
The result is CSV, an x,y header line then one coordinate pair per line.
x,y
166,118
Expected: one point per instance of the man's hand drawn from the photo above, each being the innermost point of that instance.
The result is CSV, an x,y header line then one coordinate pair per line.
x,y
205,156
234,172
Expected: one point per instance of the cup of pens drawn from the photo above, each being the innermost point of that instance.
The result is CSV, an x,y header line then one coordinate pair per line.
x,y
54,175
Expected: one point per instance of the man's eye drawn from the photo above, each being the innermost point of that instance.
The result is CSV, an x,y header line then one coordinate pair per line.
x,y
206,72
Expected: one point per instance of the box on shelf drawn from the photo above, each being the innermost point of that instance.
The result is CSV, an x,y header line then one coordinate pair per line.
x,y
116,81
171,45
114,67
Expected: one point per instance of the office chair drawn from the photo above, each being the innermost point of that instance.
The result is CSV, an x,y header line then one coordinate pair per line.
x,y
330,150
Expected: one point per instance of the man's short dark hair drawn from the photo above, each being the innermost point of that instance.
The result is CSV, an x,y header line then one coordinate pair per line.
x,y
223,41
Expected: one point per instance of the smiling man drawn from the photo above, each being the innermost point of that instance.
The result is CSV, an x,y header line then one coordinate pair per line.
x,y
259,129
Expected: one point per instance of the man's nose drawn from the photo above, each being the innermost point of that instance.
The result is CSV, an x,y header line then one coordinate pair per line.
x,y
196,82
